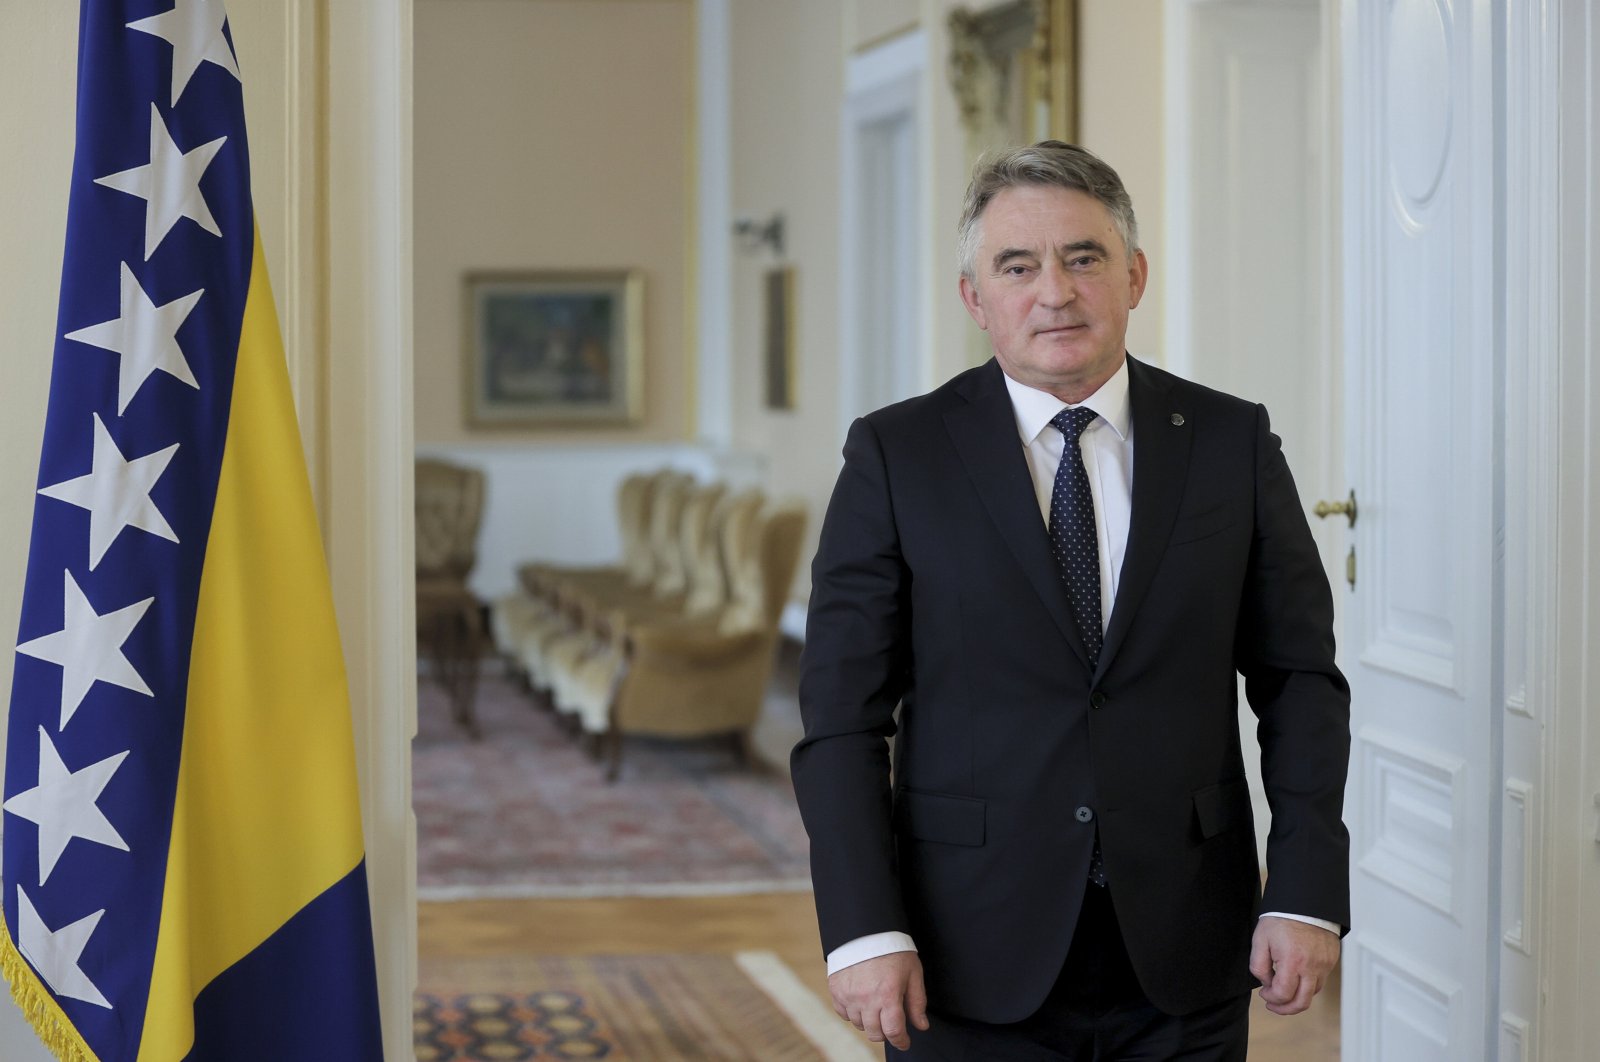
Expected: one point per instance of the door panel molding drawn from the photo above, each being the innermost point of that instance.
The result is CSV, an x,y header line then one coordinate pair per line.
x,y
1416,1010
1410,809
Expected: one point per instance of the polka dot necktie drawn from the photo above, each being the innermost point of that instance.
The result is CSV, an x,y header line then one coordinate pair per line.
x,y
1077,552
1072,534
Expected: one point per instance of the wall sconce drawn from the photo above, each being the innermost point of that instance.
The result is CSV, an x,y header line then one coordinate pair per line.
x,y
753,234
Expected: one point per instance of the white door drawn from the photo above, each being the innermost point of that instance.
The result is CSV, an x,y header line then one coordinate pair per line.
x,y
1419,288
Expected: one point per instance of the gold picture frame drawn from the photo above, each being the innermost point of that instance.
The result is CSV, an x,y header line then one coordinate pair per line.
x,y
1014,70
778,321
554,348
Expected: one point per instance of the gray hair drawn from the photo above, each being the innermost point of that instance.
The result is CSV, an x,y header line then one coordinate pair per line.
x,y
1050,163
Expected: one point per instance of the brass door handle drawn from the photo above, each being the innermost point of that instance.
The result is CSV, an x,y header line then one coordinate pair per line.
x,y
1326,509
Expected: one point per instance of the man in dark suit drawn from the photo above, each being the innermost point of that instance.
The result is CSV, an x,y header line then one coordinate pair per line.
x,y
1055,565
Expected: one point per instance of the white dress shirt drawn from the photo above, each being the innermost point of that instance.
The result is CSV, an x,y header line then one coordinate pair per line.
x,y
1107,449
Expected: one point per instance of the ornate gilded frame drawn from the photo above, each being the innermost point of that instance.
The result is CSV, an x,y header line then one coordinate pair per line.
x,y
1014,70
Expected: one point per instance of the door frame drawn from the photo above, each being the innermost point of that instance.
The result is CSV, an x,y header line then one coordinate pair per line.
x,y
883,83
1561,41
365,450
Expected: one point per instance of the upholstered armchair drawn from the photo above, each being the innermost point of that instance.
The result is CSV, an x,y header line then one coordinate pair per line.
x,y
516,618
706,534
688,678
449,510
578,605
690,584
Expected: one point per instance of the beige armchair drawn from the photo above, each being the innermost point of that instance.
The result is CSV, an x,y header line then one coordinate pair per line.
x,y
578,606
690,584
450,632
534,607
586,689
692,678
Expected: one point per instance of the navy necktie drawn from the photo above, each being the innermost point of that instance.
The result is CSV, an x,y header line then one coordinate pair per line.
x,y
1072,533
1077,552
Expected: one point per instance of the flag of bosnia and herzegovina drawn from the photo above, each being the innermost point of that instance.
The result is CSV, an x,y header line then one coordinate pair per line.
x,y
183,860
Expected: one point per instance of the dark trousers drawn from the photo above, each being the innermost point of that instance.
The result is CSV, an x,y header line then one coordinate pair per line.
x,y
1095,1012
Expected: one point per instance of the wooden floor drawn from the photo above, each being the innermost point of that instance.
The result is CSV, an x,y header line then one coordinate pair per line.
x,y
784,923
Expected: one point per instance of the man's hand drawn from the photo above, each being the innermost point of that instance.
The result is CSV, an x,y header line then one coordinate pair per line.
x,y
1292,960
877,995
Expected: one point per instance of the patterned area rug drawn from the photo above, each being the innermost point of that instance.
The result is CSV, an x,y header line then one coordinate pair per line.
x,y
525,812
623,1008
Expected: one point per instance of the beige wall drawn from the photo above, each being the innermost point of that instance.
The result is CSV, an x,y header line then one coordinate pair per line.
x,y
37,85
488,200
788,75
869,22
553,134
1120,86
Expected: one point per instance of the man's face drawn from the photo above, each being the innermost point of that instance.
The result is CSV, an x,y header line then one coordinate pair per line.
x,y
1052,284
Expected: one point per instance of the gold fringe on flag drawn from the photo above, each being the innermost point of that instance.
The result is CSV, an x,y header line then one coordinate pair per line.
x,y
39,1007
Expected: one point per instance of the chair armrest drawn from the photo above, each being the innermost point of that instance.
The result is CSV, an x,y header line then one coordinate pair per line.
x,y
690,645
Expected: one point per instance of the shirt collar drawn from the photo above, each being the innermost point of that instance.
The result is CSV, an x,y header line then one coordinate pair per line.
x,y
1035,409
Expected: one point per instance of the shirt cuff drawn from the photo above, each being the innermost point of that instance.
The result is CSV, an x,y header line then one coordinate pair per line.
x,y
868,947
1332,927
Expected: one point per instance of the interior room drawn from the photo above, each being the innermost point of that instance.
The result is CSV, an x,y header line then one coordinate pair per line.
x,y
579,299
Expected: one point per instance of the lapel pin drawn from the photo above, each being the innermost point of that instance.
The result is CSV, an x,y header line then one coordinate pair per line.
x,y
1177,419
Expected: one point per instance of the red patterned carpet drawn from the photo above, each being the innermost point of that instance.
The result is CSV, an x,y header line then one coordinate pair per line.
x,y
526,812
643,1008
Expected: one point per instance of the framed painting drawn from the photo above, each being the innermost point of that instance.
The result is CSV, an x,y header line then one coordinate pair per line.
x,y
554,348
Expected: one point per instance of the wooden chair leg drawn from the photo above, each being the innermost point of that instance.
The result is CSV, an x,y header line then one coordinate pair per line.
x,y
747,750
460,671
613,753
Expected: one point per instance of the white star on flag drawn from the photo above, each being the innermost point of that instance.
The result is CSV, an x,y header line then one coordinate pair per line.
x,y
116,493
169,184
63,804
89,648
55,953
194,29
146,335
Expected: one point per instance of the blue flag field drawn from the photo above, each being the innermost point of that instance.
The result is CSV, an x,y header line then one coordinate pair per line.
x,y
183,870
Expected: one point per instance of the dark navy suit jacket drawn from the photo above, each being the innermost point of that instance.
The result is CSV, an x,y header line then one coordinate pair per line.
x,y
934,589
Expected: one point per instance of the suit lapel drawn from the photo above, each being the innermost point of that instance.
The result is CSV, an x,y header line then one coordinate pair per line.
x,y
984,431
1160,472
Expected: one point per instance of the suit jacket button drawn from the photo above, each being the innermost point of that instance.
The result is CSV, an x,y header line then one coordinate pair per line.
x,y
1097,699
1084,814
